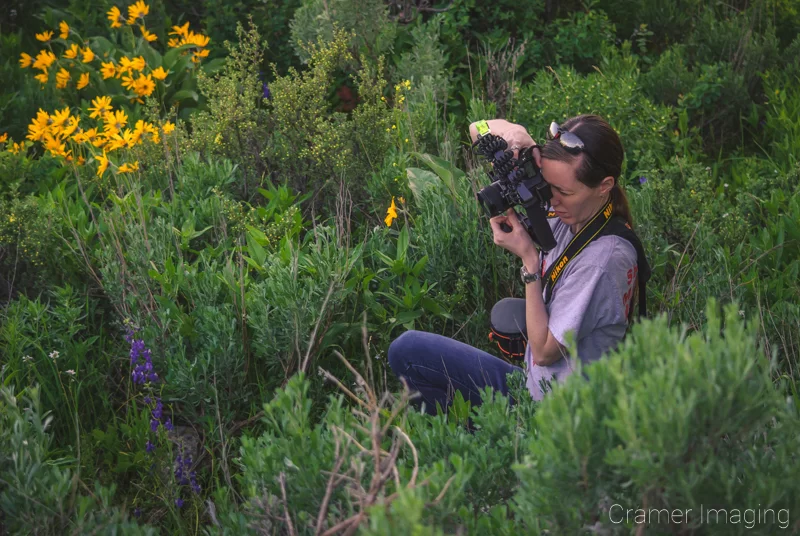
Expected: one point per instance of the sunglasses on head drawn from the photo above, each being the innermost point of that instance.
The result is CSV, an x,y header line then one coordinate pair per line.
x,y
569,141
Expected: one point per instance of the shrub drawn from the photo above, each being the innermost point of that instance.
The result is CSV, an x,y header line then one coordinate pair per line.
x,y
38,494
672,421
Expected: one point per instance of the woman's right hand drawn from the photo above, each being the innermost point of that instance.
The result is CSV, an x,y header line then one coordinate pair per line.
x,y
515,135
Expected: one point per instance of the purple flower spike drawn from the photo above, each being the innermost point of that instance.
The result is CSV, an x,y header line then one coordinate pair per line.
x,y
137,512
168,425
642,180
153,425
179,502
149,447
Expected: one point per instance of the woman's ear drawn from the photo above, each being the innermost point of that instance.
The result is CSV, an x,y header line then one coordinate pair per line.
x,y
607,184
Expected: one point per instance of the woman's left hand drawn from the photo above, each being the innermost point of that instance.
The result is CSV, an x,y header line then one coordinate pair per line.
x,y
518,241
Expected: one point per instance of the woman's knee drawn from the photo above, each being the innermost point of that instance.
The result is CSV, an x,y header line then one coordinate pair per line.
x,y
401,349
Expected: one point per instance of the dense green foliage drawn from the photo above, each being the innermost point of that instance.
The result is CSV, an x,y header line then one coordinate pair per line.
x,y
247,263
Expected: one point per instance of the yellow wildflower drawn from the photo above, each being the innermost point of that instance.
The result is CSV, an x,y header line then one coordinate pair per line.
x,y
180,30
168,127
83,81
137,64
129,168
173,43
144,85
196,39
159,74
44,36
137,11
25,60
72,52
63,27
42,77
391,214
115,16
62,77
4,137
83,136
54,145
70,127
44,60
115,121
153,132
88,55
128,82
150,37
100,107
115,142
39,125
17,147
103,163
199,54
108,70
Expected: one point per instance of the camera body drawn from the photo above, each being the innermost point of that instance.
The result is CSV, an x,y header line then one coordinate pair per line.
x,y
516,182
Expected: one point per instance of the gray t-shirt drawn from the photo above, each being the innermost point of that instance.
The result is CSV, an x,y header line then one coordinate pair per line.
x,y
591,298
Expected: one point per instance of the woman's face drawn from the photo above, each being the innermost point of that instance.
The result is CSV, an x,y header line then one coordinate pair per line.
x,y
573,201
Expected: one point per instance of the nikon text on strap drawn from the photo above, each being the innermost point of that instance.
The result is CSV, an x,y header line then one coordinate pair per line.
x,y
603,223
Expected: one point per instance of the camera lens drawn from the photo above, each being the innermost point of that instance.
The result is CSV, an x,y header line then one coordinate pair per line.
x,y
491,198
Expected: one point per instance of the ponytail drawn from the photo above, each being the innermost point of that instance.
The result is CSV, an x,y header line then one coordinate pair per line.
x,y
620,203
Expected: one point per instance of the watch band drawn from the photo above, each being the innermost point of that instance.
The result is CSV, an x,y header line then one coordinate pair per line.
x,y
528,277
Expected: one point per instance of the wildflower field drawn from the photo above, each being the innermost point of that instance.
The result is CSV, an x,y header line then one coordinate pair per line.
x,y
215,217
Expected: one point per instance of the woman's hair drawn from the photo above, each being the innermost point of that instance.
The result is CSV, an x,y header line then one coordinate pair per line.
x,y
604,158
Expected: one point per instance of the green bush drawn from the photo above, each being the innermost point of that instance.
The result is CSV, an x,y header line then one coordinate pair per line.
x,y
672,421
38,494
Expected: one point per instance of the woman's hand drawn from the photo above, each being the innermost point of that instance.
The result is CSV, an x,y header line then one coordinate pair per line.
x,y
518,241
515,135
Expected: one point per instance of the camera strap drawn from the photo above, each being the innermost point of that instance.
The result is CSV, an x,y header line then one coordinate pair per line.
x,y
603,223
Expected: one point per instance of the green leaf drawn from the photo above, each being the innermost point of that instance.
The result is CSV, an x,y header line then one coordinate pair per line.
x,y
185,94
420,180
172,55
213,66
254,264
402,243
255,249
419,266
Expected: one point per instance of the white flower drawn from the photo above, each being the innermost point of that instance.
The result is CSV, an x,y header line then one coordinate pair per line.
x,y
741,313
54,355
726,185
27,359
71,372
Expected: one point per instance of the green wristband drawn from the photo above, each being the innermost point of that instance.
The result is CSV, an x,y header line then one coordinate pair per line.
x,y
483,127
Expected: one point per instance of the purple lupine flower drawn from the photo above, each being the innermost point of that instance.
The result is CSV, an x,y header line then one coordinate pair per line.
x,y
642,180
141,359
153,425
148,400
137,512
158,412
195,485
179,502
265,91
168,425
149,447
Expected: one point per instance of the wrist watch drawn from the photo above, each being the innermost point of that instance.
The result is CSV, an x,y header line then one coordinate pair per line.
x,y
528,277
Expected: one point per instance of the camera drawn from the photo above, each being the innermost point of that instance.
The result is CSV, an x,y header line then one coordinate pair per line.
x,y
516,182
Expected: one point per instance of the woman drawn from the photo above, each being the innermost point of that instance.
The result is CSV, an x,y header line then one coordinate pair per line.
x,y
581,161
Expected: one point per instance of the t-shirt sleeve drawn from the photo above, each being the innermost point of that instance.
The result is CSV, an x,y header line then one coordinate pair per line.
x,y
586,300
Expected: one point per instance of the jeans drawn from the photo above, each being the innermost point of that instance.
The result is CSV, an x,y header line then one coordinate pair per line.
x,y
436,366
